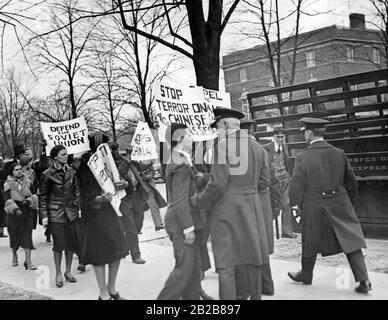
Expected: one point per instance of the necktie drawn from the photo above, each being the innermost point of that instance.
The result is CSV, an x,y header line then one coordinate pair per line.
x,y
279,150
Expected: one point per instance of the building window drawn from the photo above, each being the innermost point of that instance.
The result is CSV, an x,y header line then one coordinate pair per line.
x,y
349,53
356,101
376,56
310,58
243,74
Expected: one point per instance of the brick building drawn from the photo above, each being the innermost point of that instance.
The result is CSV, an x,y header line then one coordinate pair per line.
x,y
321,54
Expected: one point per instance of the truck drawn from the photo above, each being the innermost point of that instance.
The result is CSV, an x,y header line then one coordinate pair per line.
x,y
356,106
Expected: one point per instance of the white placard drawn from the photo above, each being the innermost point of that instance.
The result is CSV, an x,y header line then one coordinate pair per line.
x,y
143,143
103,174
110,165
72,134
192,106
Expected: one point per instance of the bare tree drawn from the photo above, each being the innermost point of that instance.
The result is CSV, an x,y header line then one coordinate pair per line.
x,y
14,116
204,47
380,22
205,31
63,51
268,19
107,88
16,15
52,108
140,61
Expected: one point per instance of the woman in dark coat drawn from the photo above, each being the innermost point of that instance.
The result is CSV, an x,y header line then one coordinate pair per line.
x,y
19,202
104,239
59,210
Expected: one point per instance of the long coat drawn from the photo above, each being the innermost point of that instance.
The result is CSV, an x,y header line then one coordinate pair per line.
x,y
104,239
323,185
237,224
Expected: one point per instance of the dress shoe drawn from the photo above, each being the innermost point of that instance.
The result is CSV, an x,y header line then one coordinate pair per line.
x,y
110,298
69,277
364,287
29,266
205,296
157,228
139,261
116,296
291,235
81,268
15,262
59,281
268,293
297,277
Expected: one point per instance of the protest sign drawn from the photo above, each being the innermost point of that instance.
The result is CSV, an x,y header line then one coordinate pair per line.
x,y
110,165
143,143
72,134
103,175
192,106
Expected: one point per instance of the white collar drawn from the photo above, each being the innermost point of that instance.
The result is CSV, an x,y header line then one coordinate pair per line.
x,y
186,154
277,146
316,140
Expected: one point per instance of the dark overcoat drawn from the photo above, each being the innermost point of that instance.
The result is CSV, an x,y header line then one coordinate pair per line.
x,y
104,239
237,224
324,186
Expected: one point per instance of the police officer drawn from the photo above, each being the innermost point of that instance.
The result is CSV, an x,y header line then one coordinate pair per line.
x,y
237,223
324,186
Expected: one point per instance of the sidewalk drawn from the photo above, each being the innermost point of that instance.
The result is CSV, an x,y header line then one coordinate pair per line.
x,y
137,282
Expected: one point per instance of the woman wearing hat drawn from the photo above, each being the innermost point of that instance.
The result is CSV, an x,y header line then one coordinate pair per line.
x,y
19,202
59,210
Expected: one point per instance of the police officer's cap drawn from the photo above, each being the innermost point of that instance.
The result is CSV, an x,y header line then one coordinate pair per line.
x,y
222,113
313,123
246,124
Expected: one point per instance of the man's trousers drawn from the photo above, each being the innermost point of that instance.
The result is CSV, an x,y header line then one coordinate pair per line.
x,y
184,280
356,261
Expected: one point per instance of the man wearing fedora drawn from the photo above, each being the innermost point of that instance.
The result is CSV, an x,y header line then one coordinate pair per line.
x,y
324,187
280,177
237,224
18,152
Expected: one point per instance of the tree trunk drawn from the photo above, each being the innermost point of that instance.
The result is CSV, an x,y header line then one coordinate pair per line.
x,y
72,99
206,37
143,106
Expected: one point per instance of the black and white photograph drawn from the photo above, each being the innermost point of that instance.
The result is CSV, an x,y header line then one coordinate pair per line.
x,y
214,151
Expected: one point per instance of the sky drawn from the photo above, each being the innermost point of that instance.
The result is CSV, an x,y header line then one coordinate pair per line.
x,y
337,12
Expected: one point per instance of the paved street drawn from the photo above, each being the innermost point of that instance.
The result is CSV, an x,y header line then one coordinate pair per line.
x,y
145,281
